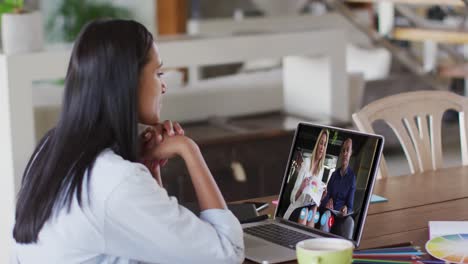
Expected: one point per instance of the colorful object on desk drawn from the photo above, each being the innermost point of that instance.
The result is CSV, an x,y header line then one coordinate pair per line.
x,y
392,255
275,202
442,228
414,251
377,199
367,261
397,251
450,248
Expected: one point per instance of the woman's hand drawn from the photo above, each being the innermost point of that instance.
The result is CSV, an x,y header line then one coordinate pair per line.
x,y
324,194
305,182
344,210
330,204
170,147
150,138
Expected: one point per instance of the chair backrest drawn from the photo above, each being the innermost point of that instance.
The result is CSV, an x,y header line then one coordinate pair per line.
x,y
416,120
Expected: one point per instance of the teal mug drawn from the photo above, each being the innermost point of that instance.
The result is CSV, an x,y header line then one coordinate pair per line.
x,y
324,251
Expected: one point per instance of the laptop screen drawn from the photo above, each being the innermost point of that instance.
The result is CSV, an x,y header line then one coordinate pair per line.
x,y
329,179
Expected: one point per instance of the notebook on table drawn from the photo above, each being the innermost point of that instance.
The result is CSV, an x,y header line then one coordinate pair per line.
x,y
378,199
442,228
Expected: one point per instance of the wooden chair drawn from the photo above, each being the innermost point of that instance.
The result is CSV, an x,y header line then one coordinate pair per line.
x,y
416,119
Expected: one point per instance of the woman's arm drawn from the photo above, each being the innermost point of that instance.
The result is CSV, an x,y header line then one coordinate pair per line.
x,y
298,185
326,200
143,223
350,196
152,136
166,140
207,191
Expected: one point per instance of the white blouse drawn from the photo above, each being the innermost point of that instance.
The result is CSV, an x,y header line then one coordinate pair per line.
x,y
129,218
305,198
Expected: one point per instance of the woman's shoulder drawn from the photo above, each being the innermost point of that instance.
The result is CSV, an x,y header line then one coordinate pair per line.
x,y
109,160
110,169
306,161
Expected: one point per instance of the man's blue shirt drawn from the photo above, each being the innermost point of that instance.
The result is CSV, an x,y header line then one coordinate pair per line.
x,y
341,189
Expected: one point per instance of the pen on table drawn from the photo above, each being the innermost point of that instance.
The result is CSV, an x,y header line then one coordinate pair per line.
x,y
407,250
430,262
404,244
390,249
391,253
413,253
378,261
382,261
385,257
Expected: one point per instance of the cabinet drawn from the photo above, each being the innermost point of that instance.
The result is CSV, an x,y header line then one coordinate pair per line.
x,y
262,159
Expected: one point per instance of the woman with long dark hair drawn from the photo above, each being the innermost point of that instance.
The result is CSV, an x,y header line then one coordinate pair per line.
x,y
85,195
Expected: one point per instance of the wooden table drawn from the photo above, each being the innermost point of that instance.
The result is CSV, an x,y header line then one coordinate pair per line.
x,y
413,200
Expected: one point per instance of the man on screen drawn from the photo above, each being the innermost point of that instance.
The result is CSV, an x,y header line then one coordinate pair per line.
x,y
342,184
340,195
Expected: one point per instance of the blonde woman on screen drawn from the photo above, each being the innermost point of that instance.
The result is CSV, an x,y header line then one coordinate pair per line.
x,y
308,187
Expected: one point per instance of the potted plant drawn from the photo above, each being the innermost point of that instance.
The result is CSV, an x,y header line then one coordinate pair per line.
x,y
21,30
70,16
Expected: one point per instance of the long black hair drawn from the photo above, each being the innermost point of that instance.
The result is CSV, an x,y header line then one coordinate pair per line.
x,y
99,111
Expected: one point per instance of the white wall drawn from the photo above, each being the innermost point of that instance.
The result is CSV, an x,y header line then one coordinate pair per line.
x,y
7,189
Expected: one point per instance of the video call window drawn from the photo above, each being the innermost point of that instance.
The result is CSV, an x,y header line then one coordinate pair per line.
x,y
327,180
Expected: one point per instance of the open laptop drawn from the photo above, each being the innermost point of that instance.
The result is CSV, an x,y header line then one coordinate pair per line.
x,y
349,184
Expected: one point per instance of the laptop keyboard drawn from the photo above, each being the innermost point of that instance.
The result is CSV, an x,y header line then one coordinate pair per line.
x,y
277,234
